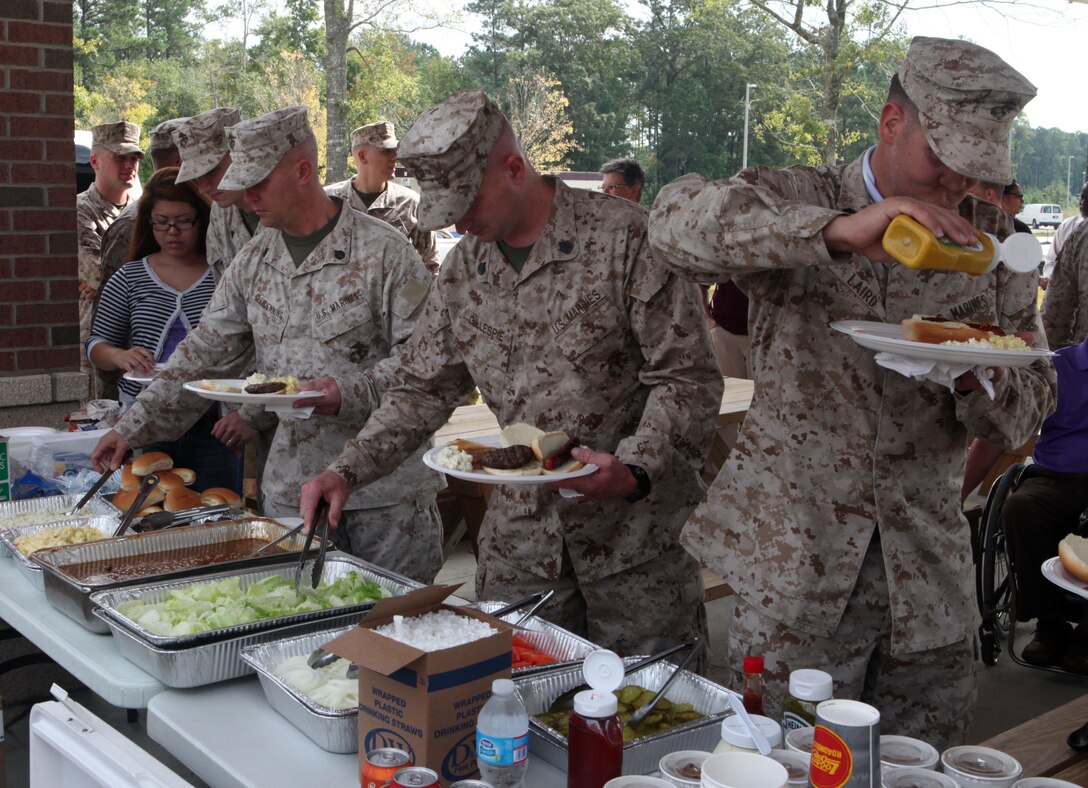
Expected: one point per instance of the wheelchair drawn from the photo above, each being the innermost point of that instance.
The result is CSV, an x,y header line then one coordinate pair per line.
x,y
994,582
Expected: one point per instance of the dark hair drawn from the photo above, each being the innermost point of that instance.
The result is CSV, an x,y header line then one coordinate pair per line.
x,y
1010,186
897,95
161,186
629,169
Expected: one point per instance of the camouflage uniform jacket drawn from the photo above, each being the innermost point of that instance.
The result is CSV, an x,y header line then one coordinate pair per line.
x,y
593,337
345,312
1065,306
227,234
835,445
94,215
115,243
399,206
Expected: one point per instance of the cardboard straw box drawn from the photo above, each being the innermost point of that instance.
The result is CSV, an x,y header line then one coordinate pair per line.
x,y
424,702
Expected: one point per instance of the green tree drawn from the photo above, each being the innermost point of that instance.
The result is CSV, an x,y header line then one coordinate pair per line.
x,y
537,110
105,33
297,30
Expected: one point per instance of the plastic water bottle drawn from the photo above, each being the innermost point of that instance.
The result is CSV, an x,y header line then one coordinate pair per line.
x,y
502,737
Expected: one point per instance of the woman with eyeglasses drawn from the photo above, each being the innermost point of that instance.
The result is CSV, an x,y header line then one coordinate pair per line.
x,y
149,306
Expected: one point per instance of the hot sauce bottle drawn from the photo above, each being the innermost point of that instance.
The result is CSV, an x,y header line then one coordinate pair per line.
x,y
753,685
595,738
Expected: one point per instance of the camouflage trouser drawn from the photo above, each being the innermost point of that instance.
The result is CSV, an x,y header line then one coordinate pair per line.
x,y
929,695
641,610
405,538
86,311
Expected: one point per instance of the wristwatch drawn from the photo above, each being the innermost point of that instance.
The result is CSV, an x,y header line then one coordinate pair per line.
x,y
643,480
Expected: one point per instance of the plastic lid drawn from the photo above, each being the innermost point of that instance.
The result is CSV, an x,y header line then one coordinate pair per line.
x,y
603,670
736,733
1022,252
502,687
595,703
811,685
753,664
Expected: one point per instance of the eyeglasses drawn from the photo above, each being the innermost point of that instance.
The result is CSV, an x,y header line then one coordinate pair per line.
x,y
614,186
181,226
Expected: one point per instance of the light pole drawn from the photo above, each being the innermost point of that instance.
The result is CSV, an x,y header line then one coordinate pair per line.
x,y
747,105
1068,172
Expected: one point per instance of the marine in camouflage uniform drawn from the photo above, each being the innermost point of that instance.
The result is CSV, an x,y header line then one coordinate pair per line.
x,y
593,337
1065,305
395,204
205,154
115,154
836,519
344,310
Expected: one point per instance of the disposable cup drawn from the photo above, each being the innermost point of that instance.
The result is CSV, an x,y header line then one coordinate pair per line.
x,y
743,770
845,745
637,781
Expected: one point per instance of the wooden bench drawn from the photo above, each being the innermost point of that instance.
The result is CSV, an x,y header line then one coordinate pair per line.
x,y
1040,745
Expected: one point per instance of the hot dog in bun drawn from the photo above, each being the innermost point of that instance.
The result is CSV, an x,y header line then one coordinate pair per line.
x,y
1073,552
553,450
938,330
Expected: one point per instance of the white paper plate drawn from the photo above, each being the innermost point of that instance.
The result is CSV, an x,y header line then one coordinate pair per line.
x,y
888,337
141,378
1056,574
241,398
429,459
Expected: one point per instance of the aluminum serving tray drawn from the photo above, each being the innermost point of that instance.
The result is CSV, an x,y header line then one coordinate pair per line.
x,y
106,525
72,595
550,638
642,755
57,504
334,730
336,565
207,663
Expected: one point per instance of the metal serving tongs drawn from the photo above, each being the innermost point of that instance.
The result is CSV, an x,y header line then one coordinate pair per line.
x,y
536,601
159,520
260,550
149,483
106,474
321,521
565,702
640,715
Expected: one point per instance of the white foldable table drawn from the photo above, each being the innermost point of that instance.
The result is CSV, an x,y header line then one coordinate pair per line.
x,y
90,657
231,738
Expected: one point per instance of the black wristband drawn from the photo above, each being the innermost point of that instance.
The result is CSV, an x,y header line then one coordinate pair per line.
x,y
643,481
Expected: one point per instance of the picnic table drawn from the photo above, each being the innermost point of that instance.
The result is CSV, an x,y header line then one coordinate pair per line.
x,y
1040,743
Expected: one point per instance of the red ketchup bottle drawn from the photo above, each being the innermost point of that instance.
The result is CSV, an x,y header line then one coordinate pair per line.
x,y
595,738
753,685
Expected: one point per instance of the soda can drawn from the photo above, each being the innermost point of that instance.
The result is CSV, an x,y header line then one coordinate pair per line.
x,y
845,745
382,764
415,777
470,784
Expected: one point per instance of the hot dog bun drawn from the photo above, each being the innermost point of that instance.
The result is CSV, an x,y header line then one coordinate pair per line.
x,y
168,480
1073,552
124,499
551,443
188,475
935,330
529,469
520,434
150,462
129,480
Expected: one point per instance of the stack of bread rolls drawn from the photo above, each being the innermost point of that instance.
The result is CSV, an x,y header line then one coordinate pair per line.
x,y
172,494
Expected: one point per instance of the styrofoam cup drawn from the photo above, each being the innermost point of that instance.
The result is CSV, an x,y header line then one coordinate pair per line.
x,y
743,770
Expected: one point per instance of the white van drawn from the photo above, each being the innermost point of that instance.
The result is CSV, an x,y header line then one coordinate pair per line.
x,y
1040,214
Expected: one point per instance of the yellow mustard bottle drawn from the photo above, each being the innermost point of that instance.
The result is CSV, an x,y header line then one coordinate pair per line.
x,y
917,247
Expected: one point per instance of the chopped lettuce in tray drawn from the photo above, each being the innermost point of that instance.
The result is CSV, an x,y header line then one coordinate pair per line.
x,y
201,607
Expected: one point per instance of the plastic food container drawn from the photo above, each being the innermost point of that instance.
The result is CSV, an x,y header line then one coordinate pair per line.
x,y
671,764
913,777
800,740
897,752
796,764
972,766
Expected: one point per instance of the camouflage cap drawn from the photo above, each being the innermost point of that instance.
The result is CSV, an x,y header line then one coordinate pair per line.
x,y
121,137
446,150
967,99
380,135
256,146
202,141
162,136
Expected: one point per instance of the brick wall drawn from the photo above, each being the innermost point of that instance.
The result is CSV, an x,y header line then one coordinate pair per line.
x,y
39,322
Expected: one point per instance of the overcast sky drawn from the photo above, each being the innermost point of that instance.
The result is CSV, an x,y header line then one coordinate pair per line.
x,y
1040,39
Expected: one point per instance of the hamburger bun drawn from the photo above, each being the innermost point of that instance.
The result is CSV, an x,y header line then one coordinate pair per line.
x,y
215,496
529,469
188,475
520,434
150,510
129,480
181,498
1073,552
124,499
150,462
168,480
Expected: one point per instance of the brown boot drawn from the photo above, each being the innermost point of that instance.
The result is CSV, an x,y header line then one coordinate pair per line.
x,y
1075,658
1048,643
